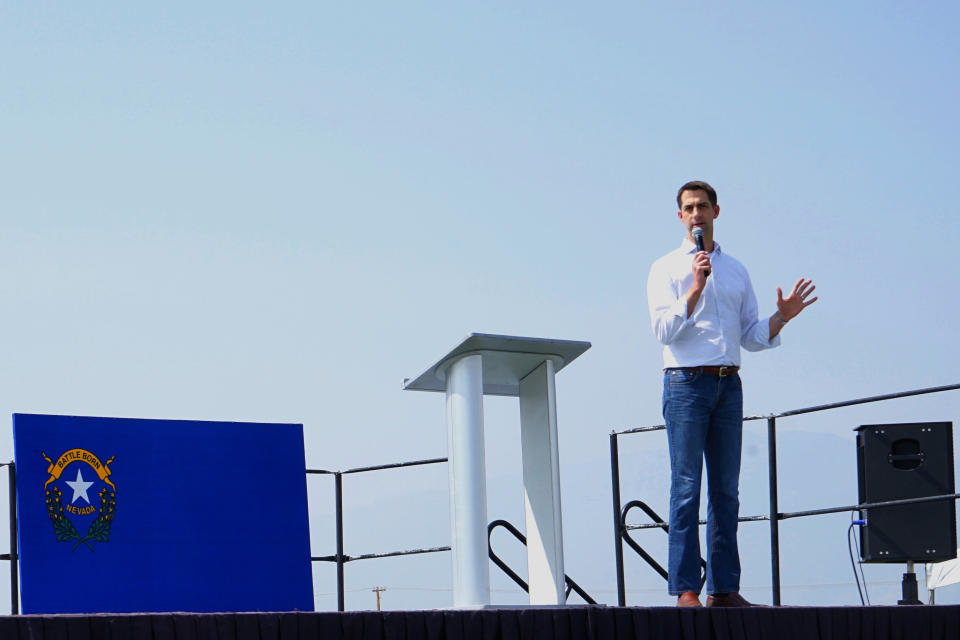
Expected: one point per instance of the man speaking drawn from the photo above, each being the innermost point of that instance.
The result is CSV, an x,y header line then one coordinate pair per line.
x,y
703,309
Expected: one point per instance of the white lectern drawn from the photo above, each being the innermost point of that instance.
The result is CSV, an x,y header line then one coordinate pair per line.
x,y
503,366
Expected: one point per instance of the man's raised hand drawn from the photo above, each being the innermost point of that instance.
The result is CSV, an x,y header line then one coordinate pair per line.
x,y
796,301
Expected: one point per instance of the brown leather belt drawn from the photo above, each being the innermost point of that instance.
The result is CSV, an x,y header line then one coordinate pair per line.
x,y
717,371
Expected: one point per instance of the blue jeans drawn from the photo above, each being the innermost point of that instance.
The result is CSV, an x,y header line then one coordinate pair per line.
x,y
704,416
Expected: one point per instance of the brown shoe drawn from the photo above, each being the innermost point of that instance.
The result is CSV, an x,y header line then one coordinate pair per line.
x,y
729,600
688,599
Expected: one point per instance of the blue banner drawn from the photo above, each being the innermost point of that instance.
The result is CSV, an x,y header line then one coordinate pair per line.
x,y
123,515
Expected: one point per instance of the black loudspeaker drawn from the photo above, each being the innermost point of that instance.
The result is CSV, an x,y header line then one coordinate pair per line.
x,y
900,461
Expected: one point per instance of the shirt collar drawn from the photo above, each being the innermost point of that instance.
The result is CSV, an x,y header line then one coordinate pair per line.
x,y
688,247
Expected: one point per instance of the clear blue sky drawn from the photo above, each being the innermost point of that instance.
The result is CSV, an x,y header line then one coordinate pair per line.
x,y
239,212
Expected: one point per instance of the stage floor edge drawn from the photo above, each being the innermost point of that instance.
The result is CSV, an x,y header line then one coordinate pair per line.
x,y
940,622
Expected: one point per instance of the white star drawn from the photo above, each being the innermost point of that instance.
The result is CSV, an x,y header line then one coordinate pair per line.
x,y
79,488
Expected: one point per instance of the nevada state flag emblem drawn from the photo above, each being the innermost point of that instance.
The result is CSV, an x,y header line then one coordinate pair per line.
x,y
81,498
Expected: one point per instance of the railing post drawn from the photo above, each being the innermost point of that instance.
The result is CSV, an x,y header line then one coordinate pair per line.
x,y
338,490
774,510
617,520
14,543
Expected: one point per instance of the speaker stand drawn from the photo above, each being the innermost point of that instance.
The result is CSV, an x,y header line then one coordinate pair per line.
x,y
909,586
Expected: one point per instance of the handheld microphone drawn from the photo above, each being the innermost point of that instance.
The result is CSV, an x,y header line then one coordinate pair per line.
x,y
698,238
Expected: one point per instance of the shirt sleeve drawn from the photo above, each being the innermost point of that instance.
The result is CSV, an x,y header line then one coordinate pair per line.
x,y
755,334
668,312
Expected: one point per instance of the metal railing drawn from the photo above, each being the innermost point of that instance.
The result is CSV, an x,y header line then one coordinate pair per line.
x,y
660,523
571,585
339,557
774,516
12,557
342,559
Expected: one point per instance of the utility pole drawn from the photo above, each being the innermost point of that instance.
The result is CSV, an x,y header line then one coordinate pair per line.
x,y
378,591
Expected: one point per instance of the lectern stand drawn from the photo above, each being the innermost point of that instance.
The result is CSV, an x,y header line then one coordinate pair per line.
x,y
484,364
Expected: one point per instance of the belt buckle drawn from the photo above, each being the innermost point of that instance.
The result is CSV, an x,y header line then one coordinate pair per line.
x,y
721,370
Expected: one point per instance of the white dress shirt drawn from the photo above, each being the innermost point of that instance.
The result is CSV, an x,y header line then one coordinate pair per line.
x,y
724,319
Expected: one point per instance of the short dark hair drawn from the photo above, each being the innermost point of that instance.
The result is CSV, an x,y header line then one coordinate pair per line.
x,y
698,185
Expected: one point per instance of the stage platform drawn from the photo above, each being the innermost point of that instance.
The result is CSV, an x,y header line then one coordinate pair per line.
x,y
557,623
